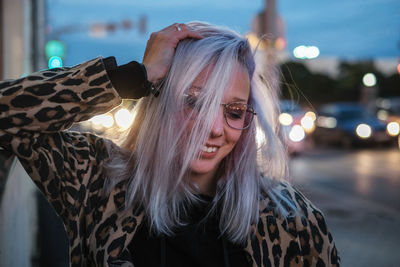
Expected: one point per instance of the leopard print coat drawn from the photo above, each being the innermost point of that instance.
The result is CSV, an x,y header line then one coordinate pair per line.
x,y
67,167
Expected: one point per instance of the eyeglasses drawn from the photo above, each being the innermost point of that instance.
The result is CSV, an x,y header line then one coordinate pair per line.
x,y
237,115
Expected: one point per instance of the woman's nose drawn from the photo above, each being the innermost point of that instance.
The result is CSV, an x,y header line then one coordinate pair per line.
x,y
218,126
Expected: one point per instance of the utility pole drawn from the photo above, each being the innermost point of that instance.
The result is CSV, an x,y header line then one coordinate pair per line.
x,y
38,35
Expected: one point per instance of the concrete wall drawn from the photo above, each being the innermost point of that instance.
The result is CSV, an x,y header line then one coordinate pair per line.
x,y
18,212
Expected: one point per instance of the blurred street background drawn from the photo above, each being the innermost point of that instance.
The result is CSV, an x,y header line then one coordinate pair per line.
x,y
337,68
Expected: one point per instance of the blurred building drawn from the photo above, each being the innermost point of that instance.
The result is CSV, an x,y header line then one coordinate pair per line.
x,y
268,40
21,39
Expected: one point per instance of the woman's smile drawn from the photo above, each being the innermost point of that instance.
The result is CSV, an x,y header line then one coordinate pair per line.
x,y
208,151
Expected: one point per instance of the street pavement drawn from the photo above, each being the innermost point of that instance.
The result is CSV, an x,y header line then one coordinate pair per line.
x,y
359,192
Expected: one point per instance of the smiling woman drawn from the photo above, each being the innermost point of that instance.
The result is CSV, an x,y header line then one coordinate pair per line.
x,y
192,184
223,137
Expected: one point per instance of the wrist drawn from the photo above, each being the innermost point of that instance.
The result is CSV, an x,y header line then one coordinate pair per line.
x,y
150,81
151,77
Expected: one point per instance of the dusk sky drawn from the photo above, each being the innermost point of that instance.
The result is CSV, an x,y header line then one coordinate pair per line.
x,y
357,29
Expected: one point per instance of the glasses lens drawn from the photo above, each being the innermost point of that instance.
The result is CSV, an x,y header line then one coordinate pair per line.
x,y
238,115
190,101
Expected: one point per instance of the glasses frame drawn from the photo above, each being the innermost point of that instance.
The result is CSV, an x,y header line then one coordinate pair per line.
x,y
225,105
249,109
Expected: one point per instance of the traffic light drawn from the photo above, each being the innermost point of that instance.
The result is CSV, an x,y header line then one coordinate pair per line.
x,y
55,62
55,52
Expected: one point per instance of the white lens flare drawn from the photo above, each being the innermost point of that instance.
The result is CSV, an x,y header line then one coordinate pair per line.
x,y
297,133
300,51
369,80
307,123
363,131
393,128
107,121
311,115
96,120
123,118
306,52
312,52
103,120
285,119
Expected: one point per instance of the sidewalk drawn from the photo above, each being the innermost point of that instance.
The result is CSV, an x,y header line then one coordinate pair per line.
x,y
366,234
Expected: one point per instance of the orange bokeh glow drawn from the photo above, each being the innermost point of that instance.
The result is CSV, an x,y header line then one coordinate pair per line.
x,y
280,43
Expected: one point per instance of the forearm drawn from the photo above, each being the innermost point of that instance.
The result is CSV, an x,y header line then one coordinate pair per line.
x,y
51,100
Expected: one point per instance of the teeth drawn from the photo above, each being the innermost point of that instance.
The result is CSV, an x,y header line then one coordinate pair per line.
x,y
209,149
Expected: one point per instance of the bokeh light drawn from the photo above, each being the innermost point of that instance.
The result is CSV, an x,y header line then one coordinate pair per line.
x,y
107,121
123,118
311,115
285,119
363,130
326,122
393,128
55,62
382,114
280,43
369,80
307,123
306,52
300,51
103,120
297,133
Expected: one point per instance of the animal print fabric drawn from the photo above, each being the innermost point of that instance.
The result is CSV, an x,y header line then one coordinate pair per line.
x,y
35,114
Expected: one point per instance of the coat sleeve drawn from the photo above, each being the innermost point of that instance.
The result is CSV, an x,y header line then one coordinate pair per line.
x,y
315,239
36,111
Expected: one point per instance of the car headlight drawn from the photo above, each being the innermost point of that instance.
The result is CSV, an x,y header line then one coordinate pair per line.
x,y
285,119
307,123
363,131
393,128
297,133
311,115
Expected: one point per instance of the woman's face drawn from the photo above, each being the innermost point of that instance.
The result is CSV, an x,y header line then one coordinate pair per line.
x,y
222,137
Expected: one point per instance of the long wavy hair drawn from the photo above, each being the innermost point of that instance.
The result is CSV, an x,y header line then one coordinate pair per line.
x,y
156,153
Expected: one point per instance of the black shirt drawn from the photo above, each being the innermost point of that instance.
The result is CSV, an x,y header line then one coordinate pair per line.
x,y
197,244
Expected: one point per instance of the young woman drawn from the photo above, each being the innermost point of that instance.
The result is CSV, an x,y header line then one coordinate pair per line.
x,y
199,177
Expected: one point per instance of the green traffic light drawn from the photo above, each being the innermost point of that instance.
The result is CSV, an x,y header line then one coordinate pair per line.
x,y
55,48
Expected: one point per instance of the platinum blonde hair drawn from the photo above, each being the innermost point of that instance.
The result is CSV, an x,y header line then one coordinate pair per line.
x,y
155,156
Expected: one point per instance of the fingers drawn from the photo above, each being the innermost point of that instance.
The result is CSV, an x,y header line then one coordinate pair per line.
x,y
186,32
160,49
181,31
178,27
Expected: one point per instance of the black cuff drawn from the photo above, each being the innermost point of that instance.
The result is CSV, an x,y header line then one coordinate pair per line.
x,y
130,80
149,85
110,63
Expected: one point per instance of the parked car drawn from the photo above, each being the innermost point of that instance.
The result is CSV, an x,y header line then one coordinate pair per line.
x,y
388,109
296,125
349,124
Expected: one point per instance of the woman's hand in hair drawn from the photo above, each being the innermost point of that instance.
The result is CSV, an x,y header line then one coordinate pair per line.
x,y
160,49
